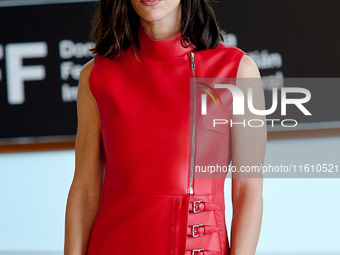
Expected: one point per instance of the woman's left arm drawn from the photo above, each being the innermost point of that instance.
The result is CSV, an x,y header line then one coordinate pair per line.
x,y
248,145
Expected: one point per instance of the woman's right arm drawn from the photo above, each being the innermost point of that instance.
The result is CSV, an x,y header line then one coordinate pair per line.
x,y
85,191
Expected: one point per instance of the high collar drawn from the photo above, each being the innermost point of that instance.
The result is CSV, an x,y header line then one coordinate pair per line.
x,y
161,49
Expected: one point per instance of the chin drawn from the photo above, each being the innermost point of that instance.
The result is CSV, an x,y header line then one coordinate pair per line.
x,y
153,16
156,12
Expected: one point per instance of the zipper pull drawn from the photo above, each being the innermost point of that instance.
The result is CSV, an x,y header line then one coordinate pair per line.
x,y
192,57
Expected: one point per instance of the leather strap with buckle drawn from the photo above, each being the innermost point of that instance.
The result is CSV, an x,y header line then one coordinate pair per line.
x,y
202,252
201,206
200,230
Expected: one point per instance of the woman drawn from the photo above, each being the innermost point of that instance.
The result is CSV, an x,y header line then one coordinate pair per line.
x,y
140,126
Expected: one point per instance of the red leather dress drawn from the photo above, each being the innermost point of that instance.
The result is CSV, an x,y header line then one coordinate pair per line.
x,y
153,132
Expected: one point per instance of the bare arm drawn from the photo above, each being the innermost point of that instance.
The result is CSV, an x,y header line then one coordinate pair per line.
x,y
248,149
84,195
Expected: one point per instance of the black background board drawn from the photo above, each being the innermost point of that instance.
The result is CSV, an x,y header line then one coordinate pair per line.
x,y
303,33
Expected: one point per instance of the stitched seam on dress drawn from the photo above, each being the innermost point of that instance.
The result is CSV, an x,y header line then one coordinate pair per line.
x,y
103,125
218,233
207,194
173,227
145,193
141,52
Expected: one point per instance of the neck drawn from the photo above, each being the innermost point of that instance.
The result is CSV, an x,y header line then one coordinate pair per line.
x,y
164,28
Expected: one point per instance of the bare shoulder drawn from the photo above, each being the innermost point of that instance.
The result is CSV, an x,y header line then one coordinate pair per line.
x,y
248,68
84,91
86,70
83,85
249,81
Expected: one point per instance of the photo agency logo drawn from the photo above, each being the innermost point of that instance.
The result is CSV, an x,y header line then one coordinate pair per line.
x,y
242,100
204,96
225,102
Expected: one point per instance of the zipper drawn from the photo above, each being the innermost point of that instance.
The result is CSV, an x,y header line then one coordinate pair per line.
x,y
193,67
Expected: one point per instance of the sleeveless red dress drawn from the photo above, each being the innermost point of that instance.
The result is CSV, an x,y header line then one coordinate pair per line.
x,y
154,136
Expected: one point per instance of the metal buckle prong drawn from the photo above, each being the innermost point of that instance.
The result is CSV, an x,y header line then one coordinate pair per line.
x,y
198,250
194,206
193,230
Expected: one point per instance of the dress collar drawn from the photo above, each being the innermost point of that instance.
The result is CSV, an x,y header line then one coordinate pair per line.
x,y
161,49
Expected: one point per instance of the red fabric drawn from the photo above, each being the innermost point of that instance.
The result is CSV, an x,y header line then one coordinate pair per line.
x,y
145,109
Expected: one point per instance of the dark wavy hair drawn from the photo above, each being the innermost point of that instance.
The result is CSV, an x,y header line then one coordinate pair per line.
x,y
115,26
